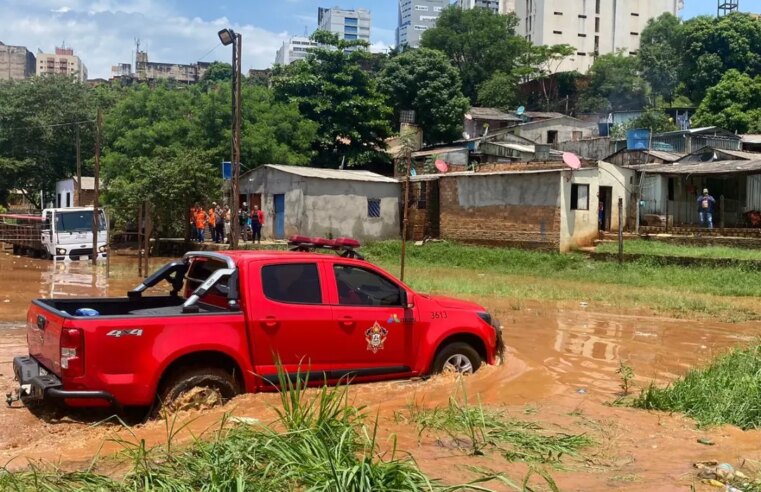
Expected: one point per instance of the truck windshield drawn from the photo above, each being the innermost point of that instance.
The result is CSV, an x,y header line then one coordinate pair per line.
x,y
80,221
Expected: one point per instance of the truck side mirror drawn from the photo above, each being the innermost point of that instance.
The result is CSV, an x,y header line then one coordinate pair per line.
x,y
406,301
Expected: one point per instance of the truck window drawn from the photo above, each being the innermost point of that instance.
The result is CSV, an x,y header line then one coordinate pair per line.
x,y
360,287
293,283
78,221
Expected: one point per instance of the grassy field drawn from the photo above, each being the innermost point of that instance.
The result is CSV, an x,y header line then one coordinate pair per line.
x,y
660,248
724,293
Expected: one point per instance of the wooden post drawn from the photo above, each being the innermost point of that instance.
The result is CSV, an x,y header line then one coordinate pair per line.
x,y
140,240
405,208
667,212
96,199
147,235
721,205
620,230
108,244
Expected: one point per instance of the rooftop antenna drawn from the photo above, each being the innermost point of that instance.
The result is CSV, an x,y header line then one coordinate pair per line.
x,y
727,7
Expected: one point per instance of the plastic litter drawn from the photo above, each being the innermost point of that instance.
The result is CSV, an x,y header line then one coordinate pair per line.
x,y
86,312
581,391
706,441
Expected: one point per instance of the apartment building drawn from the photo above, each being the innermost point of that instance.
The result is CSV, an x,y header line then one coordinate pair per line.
x,y
592,27
16,62
416,17
347,24
62,62
293,50
151,71
499,6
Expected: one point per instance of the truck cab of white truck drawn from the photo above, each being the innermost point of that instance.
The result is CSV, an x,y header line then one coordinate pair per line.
x,y
67,233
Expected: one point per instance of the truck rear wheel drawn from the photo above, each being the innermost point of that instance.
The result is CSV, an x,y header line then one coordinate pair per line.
x,y
197,388
457,357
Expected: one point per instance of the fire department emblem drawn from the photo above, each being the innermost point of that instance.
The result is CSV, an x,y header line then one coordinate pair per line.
x,y
376,337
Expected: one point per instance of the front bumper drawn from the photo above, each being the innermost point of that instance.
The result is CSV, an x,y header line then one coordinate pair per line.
x,y
37,384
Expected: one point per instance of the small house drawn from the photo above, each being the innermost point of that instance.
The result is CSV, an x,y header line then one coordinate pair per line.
x,y
66,193
324,202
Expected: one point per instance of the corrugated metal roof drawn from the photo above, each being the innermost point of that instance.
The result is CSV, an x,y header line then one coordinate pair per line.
x,y
665,156
340,174
543,115
742,155
715,167
753,138
492,114
441,150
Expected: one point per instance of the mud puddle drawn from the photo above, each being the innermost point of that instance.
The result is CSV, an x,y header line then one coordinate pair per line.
x,y
560,372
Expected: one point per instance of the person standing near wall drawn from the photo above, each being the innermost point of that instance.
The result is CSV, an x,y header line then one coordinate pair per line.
x,y
706,206
227,216
220,224
200,219
193,228
257,221
213,221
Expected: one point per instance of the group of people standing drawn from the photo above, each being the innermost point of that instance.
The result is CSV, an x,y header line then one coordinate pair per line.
x,y
218,220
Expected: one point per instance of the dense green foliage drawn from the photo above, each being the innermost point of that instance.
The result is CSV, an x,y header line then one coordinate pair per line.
x,y
734,103
332,89
479,43
614,84
726,392
423,80
660,55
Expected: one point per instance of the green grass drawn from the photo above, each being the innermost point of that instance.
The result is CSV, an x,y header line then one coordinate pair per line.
x,y
726,392
319,442
661,248
476,429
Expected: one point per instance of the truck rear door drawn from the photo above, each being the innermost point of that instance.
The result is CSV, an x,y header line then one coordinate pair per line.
x,y
43,336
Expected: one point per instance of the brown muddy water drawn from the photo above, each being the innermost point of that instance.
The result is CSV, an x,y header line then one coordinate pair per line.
x,y
560,372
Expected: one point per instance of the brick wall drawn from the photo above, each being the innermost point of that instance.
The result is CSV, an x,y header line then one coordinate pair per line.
x,y
532,226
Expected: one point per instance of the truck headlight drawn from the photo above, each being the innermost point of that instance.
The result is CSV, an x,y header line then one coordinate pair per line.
x,y
60,251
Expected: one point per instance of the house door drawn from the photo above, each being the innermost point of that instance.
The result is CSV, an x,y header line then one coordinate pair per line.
x,y
605,208
279,221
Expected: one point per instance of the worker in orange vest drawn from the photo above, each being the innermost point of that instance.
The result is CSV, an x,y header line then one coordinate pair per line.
x,y
200,219
213,221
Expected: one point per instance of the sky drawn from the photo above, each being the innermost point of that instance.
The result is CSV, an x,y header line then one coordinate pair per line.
x,y
103,32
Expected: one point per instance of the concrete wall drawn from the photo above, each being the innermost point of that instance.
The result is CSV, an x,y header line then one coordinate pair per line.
x,y
16,63
63,189
623,183
508,209
578,228
592,149
567,129
326,207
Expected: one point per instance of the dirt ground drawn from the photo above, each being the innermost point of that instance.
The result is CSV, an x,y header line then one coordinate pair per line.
x,y
560,371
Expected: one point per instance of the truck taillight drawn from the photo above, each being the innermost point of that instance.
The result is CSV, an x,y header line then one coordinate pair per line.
x,y
72,352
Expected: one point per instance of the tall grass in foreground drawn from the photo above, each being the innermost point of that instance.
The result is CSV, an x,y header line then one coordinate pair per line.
x,y
318,443
726,392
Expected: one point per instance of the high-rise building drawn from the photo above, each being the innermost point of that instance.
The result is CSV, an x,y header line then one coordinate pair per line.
x,y
294,49
63,62
347,24
499,6
149,71
416,17
16,62
592,27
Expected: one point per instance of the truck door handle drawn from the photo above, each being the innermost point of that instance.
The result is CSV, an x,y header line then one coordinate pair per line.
x,y
270,322
347,322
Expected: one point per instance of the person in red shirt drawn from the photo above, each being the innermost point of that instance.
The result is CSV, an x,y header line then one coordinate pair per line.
x,y
257,222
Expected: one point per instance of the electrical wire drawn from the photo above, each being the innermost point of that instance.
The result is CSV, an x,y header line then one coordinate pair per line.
x,y
47,126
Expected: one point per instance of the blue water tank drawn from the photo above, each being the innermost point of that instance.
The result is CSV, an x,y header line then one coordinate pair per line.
x,y
638,139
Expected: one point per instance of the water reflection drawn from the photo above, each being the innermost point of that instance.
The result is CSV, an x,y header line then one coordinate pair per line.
x,y
73,279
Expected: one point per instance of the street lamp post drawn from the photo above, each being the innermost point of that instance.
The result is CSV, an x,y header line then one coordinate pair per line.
x,y
227,37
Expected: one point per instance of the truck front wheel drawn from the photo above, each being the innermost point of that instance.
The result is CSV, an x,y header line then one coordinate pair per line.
x,y
197,388
457,357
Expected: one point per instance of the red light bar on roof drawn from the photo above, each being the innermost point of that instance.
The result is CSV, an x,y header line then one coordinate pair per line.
x,y
343,245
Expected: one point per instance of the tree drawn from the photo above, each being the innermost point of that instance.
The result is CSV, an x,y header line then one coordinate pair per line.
x,y
614,84
216,73
39,118
713,46
653,119
733,104
660,55
546,61
479,43
423,80
500,91
331,88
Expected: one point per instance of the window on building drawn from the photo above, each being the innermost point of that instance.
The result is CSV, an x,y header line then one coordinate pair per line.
x,y
350,29
582,35
634,33
552,136
68,199
580,53
558,13
297,283
373,207
579,197
635,14
597,7
582,16
671,189
350,37
423,8
351,21
360,287
597,24
557,32
59,201
597,45
576,135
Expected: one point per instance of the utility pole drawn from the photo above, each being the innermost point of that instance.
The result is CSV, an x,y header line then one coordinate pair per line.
x,y
78,194
96,199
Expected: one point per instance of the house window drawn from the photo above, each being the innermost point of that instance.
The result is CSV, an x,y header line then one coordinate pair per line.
x,y
597,7
68,199
552,136
597,24
558,13
579,197
59,200
373,207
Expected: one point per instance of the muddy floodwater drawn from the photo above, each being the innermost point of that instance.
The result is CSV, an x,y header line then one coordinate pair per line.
x,y
560,371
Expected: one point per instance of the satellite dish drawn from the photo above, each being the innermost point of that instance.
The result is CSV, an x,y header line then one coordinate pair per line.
x,y
520,110
441,166
413,172
571,160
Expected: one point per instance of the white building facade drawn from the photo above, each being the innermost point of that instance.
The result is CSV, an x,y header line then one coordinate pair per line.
x,y
592,27
294,49
416,17
347,24
62,62
499,6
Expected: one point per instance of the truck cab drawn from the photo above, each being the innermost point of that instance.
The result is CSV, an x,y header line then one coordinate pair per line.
x,y
67,233
231,320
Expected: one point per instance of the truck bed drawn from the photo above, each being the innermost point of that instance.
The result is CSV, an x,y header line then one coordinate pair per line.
x,y
123,306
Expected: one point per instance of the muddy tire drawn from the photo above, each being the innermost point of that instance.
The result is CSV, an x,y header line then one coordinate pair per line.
x,y
196,388
458,357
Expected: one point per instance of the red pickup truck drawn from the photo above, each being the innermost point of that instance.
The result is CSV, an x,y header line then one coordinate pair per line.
x,y
230,316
